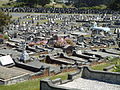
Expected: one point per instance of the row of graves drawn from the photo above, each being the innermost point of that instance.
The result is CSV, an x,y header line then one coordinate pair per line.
x,y
34,49
57,10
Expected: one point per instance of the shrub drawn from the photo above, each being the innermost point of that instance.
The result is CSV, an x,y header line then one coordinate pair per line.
x,y
5,36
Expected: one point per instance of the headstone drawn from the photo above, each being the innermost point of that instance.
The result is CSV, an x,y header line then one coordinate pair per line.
x,y
6,60
80,38
24,56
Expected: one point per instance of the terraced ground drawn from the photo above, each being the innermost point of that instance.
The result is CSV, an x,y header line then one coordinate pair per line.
x,y
32,84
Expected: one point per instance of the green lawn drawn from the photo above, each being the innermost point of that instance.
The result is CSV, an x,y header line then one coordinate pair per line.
x,y
100,66
27,85
58,21
63,76
106,64
43,21
32,84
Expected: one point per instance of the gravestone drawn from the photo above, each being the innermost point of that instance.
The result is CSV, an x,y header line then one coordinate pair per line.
x,y
80,38
24,56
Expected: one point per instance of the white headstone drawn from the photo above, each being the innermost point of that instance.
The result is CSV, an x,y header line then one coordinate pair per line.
x,y
6,60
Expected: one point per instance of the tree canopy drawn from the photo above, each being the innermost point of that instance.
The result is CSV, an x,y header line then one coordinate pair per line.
x,y
115,5
5,19
35,2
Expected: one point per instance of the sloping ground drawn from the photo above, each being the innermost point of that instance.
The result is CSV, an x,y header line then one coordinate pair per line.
x,y
86,84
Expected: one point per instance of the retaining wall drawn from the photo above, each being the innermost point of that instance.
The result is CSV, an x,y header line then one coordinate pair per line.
x,y
84,72
48,85
110,77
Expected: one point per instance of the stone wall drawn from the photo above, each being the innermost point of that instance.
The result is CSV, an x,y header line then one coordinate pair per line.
x,y
110,77
48,85
84,72
74,75
52,84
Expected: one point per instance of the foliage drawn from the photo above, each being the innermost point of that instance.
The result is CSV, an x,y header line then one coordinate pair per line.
x,y
43,2
117,67
32,3
5,36
14,4
5,19
115,5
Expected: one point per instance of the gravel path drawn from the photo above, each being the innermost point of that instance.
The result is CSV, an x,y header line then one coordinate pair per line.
x,y
86,84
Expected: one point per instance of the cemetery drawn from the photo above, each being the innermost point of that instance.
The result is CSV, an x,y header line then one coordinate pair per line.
x,y
43,42
84,79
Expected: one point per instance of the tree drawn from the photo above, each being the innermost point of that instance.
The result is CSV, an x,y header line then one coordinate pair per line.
x,y
43,2
35,2
115,5
5,20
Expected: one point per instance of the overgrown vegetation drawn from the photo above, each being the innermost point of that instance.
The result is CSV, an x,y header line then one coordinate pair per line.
x,y
82,4
32,3
5,19
115,5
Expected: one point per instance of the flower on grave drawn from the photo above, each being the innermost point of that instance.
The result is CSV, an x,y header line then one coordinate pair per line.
x,y
1,36
44,42
31,44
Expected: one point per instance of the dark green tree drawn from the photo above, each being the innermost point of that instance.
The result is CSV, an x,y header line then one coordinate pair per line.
x,y
5,19
35,2
115,5
43,2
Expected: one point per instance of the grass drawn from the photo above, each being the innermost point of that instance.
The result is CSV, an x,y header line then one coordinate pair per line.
x,y
100,66
42,21
58,21
63,76
27,85
106,64
32,84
